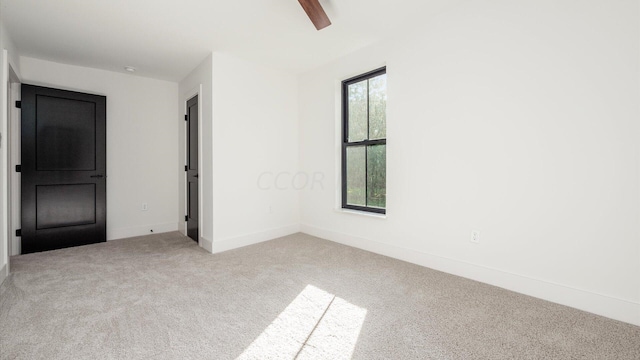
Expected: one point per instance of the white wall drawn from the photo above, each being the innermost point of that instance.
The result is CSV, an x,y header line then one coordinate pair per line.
x,y
141,142
7,43
255,132
517,119
199,80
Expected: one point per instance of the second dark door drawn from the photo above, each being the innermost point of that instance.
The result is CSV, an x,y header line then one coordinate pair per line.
x,y
64,162
192,168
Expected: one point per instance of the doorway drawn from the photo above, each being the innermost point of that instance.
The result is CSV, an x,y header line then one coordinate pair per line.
x,y
191,168
63,168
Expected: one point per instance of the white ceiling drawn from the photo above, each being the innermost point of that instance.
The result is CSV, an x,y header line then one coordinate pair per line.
x,y
167,39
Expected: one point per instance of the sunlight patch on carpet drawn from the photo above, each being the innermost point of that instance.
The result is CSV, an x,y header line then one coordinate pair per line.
x,y
316,324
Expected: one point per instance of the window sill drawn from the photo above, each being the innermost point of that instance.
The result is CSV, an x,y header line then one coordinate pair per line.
x,y
361,213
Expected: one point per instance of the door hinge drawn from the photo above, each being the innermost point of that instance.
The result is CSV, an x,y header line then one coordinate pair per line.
x,y
19,104
19,232
185,168
186,218
186,117
18,168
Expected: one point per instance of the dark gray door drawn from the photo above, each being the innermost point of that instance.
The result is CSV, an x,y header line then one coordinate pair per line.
x,y
192,168
64,153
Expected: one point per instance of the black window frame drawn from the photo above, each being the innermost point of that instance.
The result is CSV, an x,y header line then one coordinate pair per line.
x,y
365,143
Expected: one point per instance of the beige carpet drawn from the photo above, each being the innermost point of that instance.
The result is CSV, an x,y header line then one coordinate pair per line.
x,y
162,297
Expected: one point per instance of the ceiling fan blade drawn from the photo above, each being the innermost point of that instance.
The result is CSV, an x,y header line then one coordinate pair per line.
x,y
316,13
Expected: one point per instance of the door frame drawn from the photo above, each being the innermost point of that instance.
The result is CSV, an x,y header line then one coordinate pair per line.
x,y
15,178
15,141
7,115
197,91
5,110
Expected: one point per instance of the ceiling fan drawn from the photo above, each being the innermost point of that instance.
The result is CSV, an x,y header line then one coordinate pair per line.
x,y
316,13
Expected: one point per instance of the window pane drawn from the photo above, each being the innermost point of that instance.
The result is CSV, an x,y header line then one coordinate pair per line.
x,y
356,175
377,176
357,94
378,107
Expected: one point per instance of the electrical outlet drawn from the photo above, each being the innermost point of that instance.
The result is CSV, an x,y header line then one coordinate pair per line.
x,y
144,207
475,237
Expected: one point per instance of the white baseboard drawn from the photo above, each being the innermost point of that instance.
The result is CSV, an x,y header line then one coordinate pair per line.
x,y
4,272
205,243
611,307
122,233
254,238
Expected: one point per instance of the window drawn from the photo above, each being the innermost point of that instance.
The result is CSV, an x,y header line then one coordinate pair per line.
x,y
364,142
